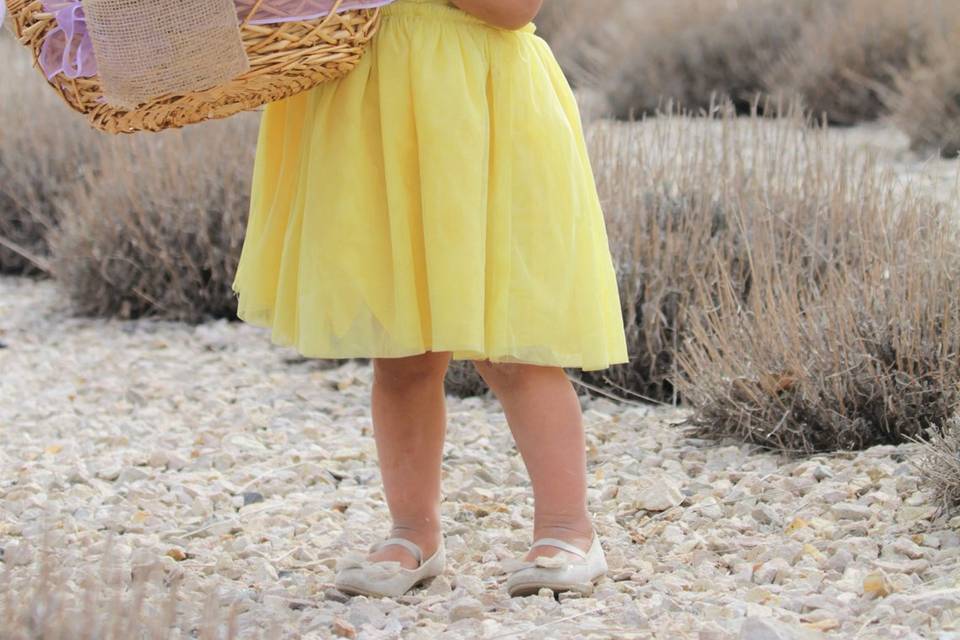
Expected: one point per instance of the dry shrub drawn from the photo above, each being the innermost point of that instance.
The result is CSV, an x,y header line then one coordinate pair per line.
x,y
848,334
131,226
44,149
157,230
670,188
925,101
688,51
939,464
839,56
110,600
583,35
463,381
850,54
683,196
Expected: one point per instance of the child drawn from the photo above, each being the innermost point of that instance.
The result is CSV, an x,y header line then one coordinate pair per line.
x,y
438,203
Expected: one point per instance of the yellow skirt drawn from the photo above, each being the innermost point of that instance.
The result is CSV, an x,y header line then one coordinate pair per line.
x,y
438,198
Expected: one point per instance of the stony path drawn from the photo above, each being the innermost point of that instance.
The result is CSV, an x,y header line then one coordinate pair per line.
x,y
246,471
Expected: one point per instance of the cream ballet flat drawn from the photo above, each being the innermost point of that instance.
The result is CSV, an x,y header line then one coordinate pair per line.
x,y
557,573
358,576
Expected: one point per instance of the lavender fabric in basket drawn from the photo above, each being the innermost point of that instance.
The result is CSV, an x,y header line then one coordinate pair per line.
x,y
274,11
68,49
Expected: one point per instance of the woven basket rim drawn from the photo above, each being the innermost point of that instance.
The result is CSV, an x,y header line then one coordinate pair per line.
x,y
286,58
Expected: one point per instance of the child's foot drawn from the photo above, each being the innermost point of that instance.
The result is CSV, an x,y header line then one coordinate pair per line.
x,y
560,559
578,537
428,542
393,567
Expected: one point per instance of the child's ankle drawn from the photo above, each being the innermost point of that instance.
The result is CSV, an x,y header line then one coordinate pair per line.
x,y
578,528
425,534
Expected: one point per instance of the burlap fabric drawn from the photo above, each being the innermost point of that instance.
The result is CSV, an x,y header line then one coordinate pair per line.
x,y
150,48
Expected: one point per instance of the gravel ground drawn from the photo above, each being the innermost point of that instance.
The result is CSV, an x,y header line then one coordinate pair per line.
x,y
213,456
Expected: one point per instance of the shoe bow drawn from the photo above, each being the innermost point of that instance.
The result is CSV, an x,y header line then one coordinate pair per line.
x,y
374,570
542,562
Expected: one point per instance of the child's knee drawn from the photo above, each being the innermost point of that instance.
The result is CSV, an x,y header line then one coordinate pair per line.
x,y
500,375
411,371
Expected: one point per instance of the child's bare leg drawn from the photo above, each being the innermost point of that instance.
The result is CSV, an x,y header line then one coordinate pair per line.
x,y
409,421
543,411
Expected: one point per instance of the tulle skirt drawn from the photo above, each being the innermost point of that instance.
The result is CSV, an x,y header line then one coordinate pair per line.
x,y
438,198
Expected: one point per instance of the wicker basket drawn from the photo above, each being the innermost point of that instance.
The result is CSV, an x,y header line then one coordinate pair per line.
x,y
285,59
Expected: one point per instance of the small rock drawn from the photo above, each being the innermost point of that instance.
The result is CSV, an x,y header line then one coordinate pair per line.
x,y
795,525
343,629
471,584
822,472
927,540
840,560
438,586
936,600
177,554
909,515
334,595
883,612
710,508
366,612
77,475
252,497
673,534
776,570
877,585
264,570
771,629
904,566
465,608
131,474
826,624
813,552
175,461
908,548
158,458
17,554
850,511
110,472
659,494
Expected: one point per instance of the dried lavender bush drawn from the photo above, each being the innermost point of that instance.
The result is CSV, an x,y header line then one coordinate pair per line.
x,y
849,335
463,381
689,51
925,100
850,53
158,229
672,190
939,464
44,148
584,35
106,601
839,56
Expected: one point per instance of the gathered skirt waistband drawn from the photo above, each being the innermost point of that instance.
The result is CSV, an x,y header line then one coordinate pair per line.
x,y
439,10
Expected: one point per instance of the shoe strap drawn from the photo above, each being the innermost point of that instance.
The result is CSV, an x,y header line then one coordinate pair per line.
x,y
560,544
412,547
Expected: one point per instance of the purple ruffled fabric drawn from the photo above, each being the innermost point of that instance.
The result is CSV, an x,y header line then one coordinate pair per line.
x,y
68,49
275,11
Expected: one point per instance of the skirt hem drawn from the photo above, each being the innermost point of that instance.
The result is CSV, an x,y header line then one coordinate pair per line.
x,y
458,353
